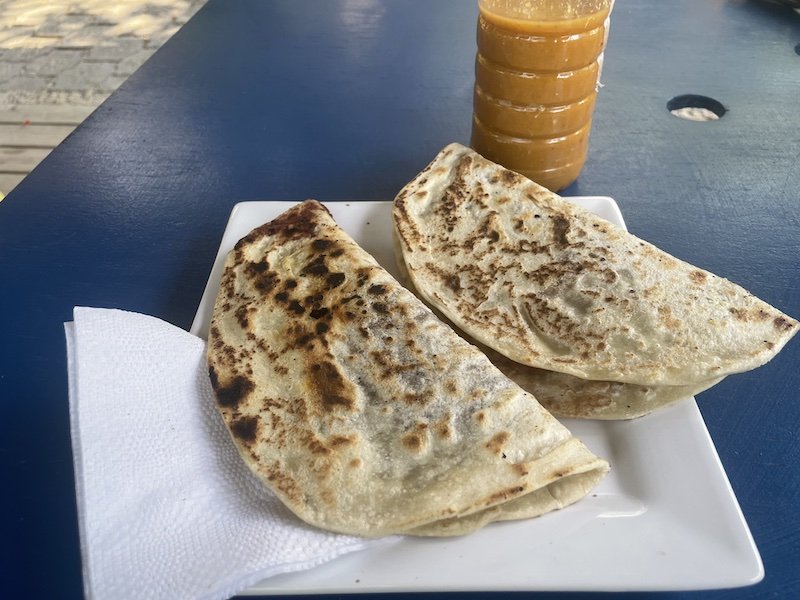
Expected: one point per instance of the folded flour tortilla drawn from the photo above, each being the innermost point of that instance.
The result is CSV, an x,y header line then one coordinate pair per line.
x,y
565,395
550,285
360,409
569,396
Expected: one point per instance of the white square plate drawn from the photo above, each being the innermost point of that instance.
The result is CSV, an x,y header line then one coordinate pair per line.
x,y
665,518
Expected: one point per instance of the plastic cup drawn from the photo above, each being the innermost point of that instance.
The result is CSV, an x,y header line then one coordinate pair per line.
x,y
536,77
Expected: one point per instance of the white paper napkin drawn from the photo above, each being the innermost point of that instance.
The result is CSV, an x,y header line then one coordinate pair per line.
x,y
166,507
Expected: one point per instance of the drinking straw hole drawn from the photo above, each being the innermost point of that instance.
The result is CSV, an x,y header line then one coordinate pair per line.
x,y
694,107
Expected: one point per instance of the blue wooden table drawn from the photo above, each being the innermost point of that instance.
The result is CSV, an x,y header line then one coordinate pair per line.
x,y
348,99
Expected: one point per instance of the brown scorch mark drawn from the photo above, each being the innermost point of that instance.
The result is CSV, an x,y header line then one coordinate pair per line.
x,y
495,444
230,394
698,277
330,387
245,428
560,229
296,223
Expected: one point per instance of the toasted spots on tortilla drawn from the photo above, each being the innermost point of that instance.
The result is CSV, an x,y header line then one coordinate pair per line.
x,y
444,430
520,468
316,266
316,446
241,314
453,282
738,313
495,444
560,230
413,442
339,441
335,279
698,277
332,391
263,279
668,320
321,244
246,429
505,495
286,484
291,225
318,313
415,398
416,440
233,392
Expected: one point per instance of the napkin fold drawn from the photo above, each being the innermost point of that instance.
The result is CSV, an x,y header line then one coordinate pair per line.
x,y
166,507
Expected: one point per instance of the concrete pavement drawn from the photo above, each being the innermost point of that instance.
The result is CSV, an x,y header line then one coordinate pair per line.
x,y
59,59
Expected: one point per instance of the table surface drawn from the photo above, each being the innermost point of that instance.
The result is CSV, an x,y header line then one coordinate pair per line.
x,y
348,99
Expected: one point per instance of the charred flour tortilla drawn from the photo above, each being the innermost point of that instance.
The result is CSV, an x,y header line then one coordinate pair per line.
x,y
565,395
362,411
550,285
569,396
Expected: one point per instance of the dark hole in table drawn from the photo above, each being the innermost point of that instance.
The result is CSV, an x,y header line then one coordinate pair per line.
x,y
696,101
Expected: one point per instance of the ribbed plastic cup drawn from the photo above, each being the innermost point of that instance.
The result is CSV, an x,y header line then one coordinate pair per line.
x,y
536,76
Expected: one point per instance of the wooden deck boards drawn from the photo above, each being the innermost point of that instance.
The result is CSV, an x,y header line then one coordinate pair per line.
x,y
37,135
21,160
54,114
28,133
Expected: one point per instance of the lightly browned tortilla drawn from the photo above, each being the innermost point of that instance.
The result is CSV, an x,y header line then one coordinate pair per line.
x,y
565,395
362,411
568,396
553,286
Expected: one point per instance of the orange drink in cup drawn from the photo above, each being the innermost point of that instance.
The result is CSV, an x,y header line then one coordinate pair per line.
x,y
536,76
